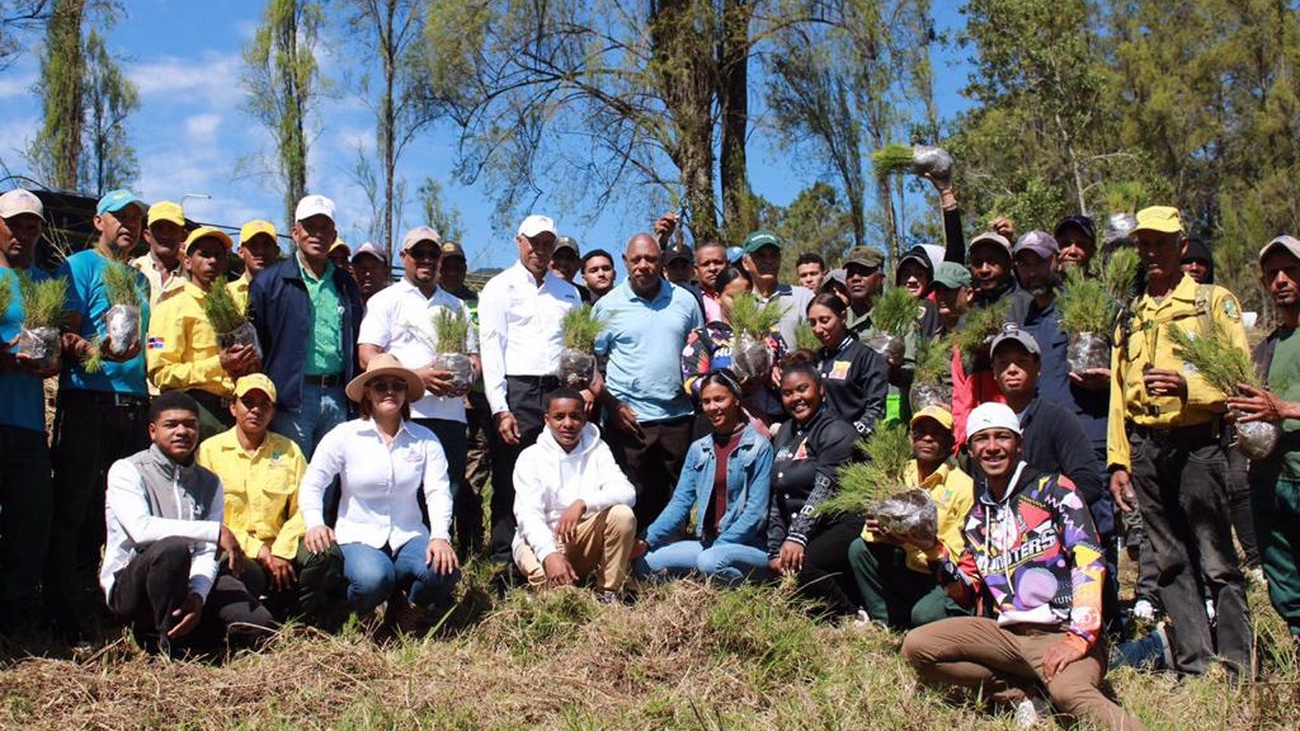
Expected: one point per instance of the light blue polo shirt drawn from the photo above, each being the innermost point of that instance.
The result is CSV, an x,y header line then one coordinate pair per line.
x,y
22,397
87,297
644,341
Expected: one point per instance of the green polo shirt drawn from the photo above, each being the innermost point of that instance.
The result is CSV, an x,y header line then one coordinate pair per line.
x,y
325,338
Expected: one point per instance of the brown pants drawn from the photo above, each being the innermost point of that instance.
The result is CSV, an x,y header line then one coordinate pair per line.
x,y
1006,663
603,543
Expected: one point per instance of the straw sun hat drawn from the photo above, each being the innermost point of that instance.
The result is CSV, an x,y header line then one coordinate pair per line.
x,y
385,365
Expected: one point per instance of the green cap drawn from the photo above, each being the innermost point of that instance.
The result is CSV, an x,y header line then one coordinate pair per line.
x,y
952,275
760,238
865,256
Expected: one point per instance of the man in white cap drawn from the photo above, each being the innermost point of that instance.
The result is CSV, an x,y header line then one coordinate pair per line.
x,y
25,492
307,313
400,321
519,312
101,416
1032,556
165,233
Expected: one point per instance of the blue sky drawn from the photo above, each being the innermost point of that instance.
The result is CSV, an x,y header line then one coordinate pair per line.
x,y
191,133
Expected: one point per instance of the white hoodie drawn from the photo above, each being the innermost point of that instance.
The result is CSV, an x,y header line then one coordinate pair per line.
x,y
548,480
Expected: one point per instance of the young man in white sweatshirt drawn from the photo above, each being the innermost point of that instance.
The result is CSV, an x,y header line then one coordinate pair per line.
x,y
573,504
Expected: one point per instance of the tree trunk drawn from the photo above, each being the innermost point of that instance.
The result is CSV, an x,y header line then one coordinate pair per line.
x,y
738,215
292,135
387,129
64,112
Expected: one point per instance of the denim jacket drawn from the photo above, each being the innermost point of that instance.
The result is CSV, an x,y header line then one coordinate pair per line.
x,y
749,489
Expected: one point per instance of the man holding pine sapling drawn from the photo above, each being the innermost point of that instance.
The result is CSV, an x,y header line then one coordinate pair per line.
x,y
182,349
1165,448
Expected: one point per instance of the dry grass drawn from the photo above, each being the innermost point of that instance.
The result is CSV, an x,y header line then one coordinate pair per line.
x,y
684,657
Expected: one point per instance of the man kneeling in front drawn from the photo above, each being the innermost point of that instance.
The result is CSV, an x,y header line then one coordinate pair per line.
x,y
163,514
573,503
1031,557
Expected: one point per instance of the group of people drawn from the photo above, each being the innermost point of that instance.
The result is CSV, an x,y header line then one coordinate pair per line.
x,y
335,463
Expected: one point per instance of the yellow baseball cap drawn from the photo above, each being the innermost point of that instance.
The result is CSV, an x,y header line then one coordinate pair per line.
x,y
255,382
938,413
255,227
207,232
166,211
1162,219
340,243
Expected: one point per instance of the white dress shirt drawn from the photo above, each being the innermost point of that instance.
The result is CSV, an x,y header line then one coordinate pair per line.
x,y
377,503
399,320
130,524
519,328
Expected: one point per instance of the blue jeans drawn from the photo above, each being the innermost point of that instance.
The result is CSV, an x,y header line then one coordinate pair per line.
x,y
322,410
729,562
373,574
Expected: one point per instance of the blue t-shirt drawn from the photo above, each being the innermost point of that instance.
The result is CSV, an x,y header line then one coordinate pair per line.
x,y
644,341
22,397
87,298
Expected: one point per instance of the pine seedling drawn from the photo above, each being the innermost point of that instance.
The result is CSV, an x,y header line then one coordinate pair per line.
x,y
981,324
1084,304
805,339
451,327
580,328
221,309
895,312
933,360
43,301
748,317
120,284
1120,274
6,296
891,159
1220,362
887,452
94,361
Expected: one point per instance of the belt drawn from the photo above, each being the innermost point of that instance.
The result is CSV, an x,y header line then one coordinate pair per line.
x,y
547,381
106,398
1207,432
330,381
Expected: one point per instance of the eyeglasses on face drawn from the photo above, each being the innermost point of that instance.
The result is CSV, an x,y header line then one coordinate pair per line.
x,y
422,253
388,386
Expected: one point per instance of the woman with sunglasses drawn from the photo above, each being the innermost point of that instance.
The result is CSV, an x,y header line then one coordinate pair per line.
x,y
808,452
383,460
725,486
855,377
709,348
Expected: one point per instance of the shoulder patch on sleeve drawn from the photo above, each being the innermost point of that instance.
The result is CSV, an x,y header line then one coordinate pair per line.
x,y
1230,308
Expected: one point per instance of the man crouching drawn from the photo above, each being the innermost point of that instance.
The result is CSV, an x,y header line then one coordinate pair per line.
x,y
1033,558
163,514
573,503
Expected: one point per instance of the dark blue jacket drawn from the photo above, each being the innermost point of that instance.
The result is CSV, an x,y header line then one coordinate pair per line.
x,y
280,308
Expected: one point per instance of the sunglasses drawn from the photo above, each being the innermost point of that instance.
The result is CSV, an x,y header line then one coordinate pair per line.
x,y
253,402
422,253
386,387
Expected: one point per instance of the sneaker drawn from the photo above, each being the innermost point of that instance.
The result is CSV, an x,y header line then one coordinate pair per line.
x,y
1144,609
1032,711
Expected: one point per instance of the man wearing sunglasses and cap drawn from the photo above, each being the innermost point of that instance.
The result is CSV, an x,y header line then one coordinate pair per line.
x,y
101,416
182,349
307,313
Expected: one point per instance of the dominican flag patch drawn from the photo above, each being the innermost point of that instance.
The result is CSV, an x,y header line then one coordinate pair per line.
x,y
155,342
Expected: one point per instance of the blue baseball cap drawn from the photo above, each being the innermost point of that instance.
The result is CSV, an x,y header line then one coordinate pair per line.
x,y
115,200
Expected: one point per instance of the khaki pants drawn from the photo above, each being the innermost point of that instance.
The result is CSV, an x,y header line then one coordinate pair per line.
x,y
603,543
1006,663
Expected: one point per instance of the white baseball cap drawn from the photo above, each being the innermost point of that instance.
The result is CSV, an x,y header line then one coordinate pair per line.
x,y
536,225
18,201
314,205
991,415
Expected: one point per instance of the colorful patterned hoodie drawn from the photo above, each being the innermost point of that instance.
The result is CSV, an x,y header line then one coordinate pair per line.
x,y
1034,554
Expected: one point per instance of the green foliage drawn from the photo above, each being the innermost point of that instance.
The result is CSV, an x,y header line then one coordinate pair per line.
x,y
1220,362
220,307
748,317
933,360
451,327
109,97
120,284
981,324
804,338
6,295
56,151
580,327
43,301
94,361
895,312
1119,274
1084,304
887,452
891,159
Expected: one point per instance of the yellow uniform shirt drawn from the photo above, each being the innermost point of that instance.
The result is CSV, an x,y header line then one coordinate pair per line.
x,y
181,348
1148,346
161,286
239,291
954,495
261,491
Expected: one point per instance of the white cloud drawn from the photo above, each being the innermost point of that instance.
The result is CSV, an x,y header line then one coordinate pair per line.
x,y
212,76
202,127
16,85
